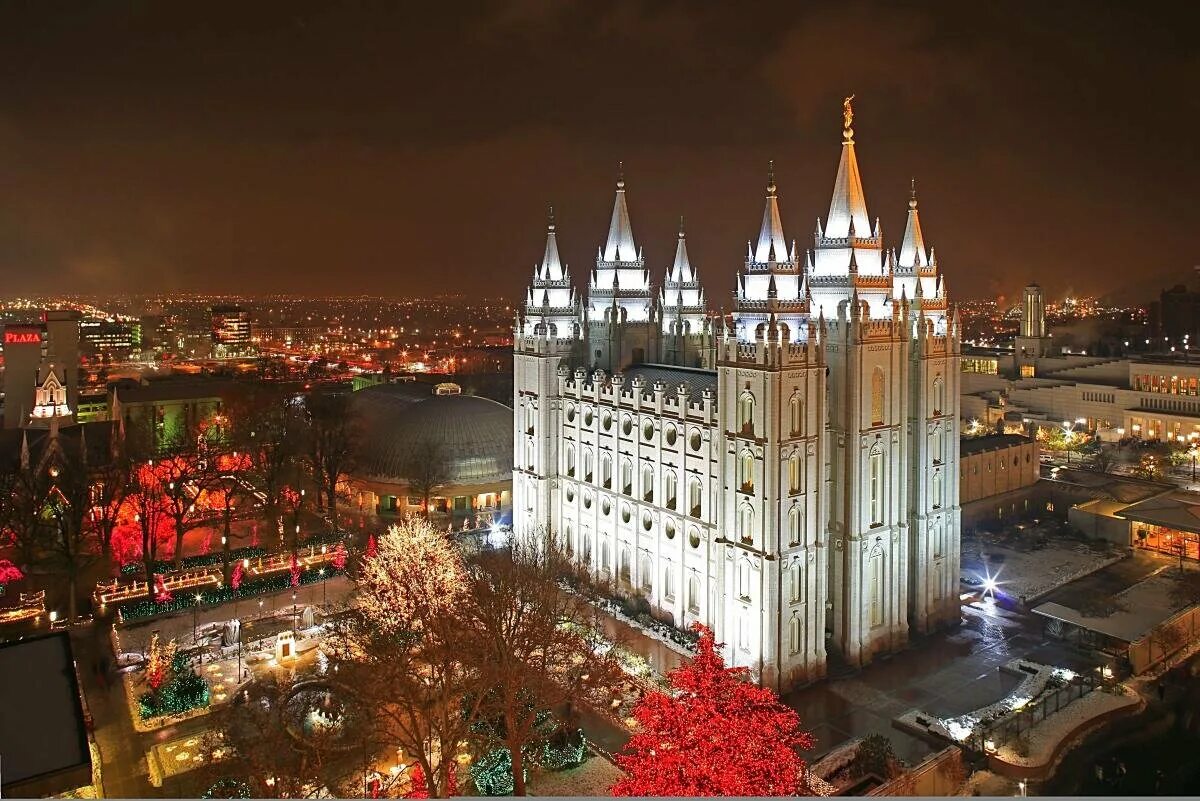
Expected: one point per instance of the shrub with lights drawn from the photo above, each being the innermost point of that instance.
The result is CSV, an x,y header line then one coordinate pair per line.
x,y
492,773
564,750
228,787
182,691
143,608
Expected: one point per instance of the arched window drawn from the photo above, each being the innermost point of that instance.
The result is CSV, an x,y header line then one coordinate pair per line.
x,y
693,593
571,461
937,492
877,397
645,574
745,525
794,525
585,548
647,483
626,477
668,583
743,578
794,581
529,418
875,576
796,412
937,445
746,471
794,634
605,561
606,471
529,454
670,488
569,540
623,572
794,472
587,465
875,486
939,395
746,413
694,494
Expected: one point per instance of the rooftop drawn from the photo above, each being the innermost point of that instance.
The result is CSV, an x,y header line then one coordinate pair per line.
x,y
1178,509
695,379
991,442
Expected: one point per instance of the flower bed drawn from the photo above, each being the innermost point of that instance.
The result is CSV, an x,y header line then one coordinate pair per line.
x,y
681,641
144,608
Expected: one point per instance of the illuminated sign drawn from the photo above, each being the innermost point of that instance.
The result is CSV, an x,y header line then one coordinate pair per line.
x,y
22,336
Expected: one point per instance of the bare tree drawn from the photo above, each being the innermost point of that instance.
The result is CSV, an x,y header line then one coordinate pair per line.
x,y
405,649
266,426
535,641
68,544
426,468
334,433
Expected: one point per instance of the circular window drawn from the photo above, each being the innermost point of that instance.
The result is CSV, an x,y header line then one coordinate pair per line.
x,y
588,416
647,521
606,420
694,440
587,500
694,537
669,529
625,513
671,435
605,506
626,425
570,413
648,430
570,493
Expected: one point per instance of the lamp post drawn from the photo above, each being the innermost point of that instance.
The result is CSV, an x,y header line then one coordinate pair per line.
x,y
295,613
196,619
324,594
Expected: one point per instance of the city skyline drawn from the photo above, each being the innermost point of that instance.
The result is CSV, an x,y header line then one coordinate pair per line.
x,y
335,151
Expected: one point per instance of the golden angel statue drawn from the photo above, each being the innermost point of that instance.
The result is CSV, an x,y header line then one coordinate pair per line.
x,y
847,112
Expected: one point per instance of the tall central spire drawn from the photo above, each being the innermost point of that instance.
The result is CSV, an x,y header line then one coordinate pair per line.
x,y
912,249
849,205
620,245
771,244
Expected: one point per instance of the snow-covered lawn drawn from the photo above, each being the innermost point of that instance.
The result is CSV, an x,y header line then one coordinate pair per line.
x,y
1032,573
1045,737
593,778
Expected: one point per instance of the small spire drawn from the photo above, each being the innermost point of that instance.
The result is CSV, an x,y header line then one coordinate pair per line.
x,y
912,198
681,226
771,177
550,218
620,175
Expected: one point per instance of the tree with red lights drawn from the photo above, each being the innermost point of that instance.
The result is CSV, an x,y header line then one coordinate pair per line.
x,y
716,733
147,506
338,559
294,571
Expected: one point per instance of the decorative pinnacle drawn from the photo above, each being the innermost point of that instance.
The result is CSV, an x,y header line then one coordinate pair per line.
x,y
847,121
912,198
550,218
620,175
771,177
681,226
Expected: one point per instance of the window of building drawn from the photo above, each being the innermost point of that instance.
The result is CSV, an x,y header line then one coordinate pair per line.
x,y
794,581
937,489
529,455
571,461
669,529
626,477
647,483
606,471
875,487
745,525
648,430
587,465
794,526
694,494
877,397
623,572
626,425
746,414
937,445
693,593
646,574
669,488
794,635
671,434
585,548
743,579
939,395
694,537
796,412
794,473
746,471
668,583
875,572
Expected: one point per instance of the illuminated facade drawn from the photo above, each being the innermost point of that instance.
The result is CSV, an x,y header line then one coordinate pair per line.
x,y
786,475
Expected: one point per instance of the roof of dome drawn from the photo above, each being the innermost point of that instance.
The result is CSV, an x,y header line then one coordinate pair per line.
x,y
476,433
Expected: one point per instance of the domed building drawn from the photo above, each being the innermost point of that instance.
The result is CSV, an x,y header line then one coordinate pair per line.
x,y
423,441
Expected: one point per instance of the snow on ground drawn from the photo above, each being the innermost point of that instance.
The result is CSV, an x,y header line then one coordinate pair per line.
x,y
593,778
1046,736
1030,573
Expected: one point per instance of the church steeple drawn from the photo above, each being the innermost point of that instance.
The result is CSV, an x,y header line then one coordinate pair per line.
x,y
849,204
550,301
620,245
772,245
912,249
551,268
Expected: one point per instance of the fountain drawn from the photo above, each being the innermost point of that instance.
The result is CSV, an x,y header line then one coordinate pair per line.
x,y
319,713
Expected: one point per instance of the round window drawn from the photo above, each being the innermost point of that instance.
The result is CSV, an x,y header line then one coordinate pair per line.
x,y
605,506
625,513
588,416
694,537
694,440
626,425
570,493
671,435
647,521
648,430
587,500
570,413
669,529
606,420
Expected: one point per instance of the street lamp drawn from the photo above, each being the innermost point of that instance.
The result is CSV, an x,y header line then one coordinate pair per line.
x,y
195,619
295,613
325,596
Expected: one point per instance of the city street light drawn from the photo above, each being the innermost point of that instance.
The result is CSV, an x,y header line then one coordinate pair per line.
x,y
325,597
195,619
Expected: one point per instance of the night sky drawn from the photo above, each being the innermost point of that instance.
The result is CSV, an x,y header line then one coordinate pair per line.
x,y
401,148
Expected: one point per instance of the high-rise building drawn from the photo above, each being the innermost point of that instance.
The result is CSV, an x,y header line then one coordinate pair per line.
x,y
786,475
230,331
35,354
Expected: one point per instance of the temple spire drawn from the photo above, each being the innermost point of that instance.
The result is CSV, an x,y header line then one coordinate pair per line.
x,y
772,246
551,267
681,270
620,245
912,249
848,203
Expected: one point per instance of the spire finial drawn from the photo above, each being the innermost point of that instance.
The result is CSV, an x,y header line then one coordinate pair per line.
x,y
771,177
847,121
681,226
912,197
620,175
550,217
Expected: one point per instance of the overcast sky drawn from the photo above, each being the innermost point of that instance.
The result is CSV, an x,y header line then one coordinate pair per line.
x,y
405,148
